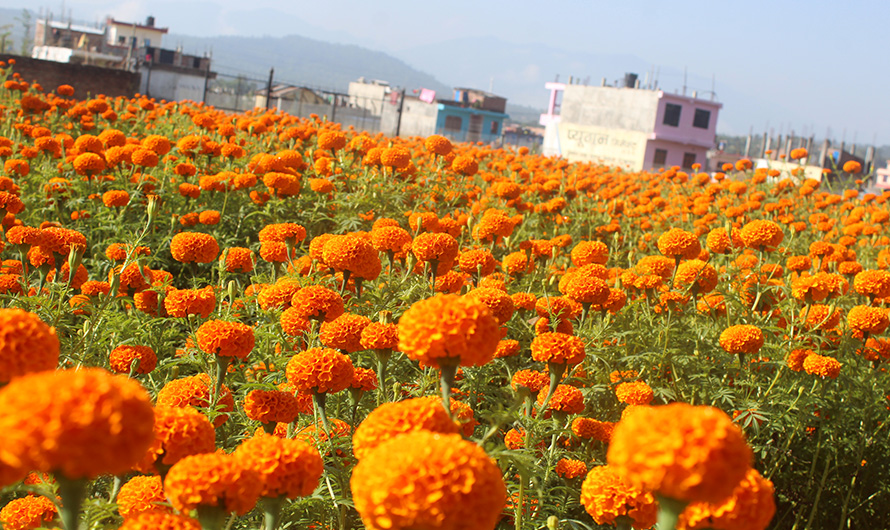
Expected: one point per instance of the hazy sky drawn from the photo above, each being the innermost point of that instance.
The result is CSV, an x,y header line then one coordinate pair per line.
x,y
818,63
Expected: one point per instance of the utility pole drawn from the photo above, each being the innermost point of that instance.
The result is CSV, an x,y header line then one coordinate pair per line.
x,y
269,88
401,106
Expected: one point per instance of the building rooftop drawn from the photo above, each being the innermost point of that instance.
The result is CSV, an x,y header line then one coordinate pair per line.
x,y
111,21
80,28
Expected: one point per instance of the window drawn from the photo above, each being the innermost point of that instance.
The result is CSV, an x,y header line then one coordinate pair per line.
x,y
688,160
660,157
121,40
494,127
453,123
672,114
702,119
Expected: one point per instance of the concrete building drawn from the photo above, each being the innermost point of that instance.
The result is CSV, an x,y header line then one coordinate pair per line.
x,y
628,127
469,116
371,95
173,75
882,177
65,42
131,35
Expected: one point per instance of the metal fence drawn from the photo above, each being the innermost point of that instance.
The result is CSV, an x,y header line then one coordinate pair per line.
x,y
240,93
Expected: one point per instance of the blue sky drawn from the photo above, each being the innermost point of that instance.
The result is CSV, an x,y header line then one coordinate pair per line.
x,y
803,65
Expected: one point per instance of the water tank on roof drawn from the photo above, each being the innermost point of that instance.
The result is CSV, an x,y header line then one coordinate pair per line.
x,y
630,80
150,22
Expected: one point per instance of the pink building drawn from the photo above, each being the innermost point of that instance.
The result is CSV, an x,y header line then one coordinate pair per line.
x,y
629,127
882,177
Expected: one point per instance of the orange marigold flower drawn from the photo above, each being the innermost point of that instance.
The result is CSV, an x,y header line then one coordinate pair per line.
x,y
742,339
267,406
225,339
822,366
33,511
353,254
396,157
195,391
363,380
188,247
288,468
239,259
393,419
565,399
214,479
142,494
822,317
606,495
440,247
115,198
681,452
279,294
477,261
465,165
796,358
181,303
89,164
101,423
27,344
283,233
498,301
451,484
532,380
679,244
750,507
331,140
344,332
558,348
587,252
588,428
863,319
320,371
634,393
699,274
570,469
449,328
121,359
873,283
380,336
507,348
762,234
315,302
586,289
852,167
437,144
391,239
178,432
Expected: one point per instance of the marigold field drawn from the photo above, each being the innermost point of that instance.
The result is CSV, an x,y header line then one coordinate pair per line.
x,y
214,320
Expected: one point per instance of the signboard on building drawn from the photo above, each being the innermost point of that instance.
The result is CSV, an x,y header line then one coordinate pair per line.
x,y
612,147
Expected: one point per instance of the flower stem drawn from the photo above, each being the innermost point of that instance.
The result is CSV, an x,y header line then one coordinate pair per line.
x,y
72,493
318,399
271,511
669,511
446,381
211,517
556,372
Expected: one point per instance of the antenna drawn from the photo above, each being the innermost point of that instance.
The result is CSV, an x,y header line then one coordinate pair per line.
x,y
684,80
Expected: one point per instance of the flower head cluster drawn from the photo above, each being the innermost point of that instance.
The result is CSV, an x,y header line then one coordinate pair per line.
x,y
194,247
751,507
267,406
679,244
181,303
570,469
225,339
606,495
634,393
121,359
320,370
28,512
558,348
194,391
80,423
27,344
428,480
742,339
449,326
393,419
344,332
178,433
287,468
762,234
160,521
141,494
213,479
680,451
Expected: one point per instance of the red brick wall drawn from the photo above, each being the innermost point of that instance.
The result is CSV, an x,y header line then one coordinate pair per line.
x,y
86,80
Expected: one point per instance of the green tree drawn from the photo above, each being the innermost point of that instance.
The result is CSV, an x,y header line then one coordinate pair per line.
x,y
26,20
